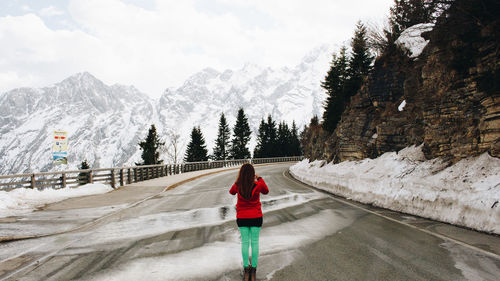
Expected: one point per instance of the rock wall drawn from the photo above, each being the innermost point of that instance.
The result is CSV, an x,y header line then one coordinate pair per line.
x,y
451,92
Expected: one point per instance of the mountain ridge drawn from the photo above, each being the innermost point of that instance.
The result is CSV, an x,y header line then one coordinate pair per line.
x,y
106,122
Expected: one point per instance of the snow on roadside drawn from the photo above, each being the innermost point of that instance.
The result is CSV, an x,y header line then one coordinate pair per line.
x,y
24,200
412,40
466,193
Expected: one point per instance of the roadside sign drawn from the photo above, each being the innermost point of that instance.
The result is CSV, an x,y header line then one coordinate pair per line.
x,y
60,147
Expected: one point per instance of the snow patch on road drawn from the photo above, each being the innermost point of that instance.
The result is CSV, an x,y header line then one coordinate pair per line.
x,y
25,200
466,193
217,258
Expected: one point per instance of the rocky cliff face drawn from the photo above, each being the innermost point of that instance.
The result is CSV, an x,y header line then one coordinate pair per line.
x,y
451,94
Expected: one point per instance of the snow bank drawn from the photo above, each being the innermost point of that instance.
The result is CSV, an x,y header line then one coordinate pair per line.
x,y
466,193
24,200
412,40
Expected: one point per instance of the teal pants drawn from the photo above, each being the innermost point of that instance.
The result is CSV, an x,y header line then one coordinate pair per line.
x,y
250,235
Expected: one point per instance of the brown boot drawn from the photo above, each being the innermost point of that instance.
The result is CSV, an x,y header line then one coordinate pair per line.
x,y
246,273
253,273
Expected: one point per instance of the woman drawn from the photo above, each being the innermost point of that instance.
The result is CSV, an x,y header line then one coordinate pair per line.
x,y
249,215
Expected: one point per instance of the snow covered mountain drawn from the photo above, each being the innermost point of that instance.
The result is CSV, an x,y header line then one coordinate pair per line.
x,y
105,123
287,94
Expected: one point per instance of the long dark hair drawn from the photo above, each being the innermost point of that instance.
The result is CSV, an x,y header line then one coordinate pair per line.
x,y
245,180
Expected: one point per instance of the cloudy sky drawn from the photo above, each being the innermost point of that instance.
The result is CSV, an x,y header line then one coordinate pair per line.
x,y
155,44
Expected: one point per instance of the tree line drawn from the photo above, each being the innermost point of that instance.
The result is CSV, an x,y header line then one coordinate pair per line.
x,y
273,140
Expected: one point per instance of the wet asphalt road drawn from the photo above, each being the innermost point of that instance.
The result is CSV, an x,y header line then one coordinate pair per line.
x,y
189,233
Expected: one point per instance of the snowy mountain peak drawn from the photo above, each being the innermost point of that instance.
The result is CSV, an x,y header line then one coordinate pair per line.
x,y
82,78
315,54
251,68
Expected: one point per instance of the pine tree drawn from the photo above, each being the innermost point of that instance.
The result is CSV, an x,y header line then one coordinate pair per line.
x,y
150,148
283,140
261,140
295,149
406,13
221,149
334,84
271,148
196,149
84,176
359,62
241,137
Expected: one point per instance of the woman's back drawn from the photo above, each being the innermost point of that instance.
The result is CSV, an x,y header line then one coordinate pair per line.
x,y
250,207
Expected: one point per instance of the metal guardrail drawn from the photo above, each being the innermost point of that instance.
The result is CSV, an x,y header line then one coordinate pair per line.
x,y
123,175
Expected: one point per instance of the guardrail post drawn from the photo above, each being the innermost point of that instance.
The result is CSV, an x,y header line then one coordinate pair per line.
x,y
129,176
91,180
121,177
113,180
63,180
33,181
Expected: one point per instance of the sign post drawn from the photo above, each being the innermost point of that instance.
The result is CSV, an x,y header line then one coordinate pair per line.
x,y
60,147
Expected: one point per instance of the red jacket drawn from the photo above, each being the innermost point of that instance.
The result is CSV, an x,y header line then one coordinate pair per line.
x,y
249,209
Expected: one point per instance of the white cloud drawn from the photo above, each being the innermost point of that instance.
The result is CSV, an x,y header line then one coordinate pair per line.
x,y
158,48
26,8
50,12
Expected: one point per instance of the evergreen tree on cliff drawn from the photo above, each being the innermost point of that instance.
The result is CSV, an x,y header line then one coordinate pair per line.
x,y
196,149
406,13
241,137
334,85
359,62
221,149
150,148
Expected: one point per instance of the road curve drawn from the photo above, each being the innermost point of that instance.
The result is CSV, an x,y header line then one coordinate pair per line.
x,y
189,233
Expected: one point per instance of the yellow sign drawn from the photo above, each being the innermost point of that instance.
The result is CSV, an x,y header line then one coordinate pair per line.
x,y
60,147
